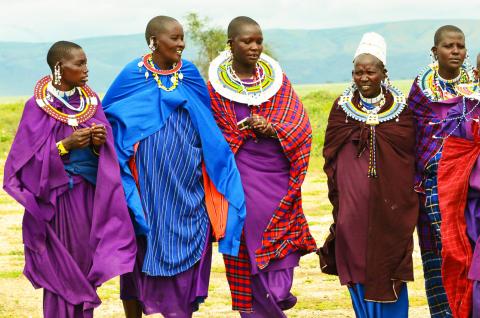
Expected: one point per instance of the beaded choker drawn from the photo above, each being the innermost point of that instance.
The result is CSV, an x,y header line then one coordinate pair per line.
x,y
266,82
44,97
373,100
147,62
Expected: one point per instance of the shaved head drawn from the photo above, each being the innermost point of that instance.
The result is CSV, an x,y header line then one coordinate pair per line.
x,y
235,26
444,29
157,25
60,50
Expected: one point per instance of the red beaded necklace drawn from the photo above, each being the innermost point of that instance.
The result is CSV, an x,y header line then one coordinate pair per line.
x,y
42,98
148,63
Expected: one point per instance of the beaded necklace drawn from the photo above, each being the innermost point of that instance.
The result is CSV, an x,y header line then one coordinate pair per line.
x,y
44,97
61,96
147,62
256,80
436,88
369,114
267,80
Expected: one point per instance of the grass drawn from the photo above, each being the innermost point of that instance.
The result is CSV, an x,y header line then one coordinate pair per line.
x,y
318,295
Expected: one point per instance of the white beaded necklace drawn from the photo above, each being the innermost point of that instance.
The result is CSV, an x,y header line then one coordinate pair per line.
x,y
60,95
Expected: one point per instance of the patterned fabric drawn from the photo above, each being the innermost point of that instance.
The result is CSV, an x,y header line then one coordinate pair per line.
x,y
171,189
239,279
457,250
432,261
436,296
288,230
426,146
432,208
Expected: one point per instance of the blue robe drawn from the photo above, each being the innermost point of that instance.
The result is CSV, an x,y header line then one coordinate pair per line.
x,y
137,108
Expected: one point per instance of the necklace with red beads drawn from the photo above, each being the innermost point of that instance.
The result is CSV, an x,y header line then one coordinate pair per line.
x,y
44,97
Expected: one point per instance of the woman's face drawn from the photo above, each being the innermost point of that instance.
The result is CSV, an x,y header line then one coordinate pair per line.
x,y
450,51
247,45
368,75
169,44
73,68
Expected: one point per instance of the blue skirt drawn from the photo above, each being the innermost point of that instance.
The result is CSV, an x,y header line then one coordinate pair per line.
x,y
371,309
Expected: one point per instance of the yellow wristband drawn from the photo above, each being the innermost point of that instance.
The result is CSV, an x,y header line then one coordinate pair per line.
x,y
61,149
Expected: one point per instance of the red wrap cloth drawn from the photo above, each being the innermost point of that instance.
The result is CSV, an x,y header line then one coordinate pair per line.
x,y
457,252
287,230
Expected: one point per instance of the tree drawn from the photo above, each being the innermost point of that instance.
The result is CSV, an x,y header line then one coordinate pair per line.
x,y
210,41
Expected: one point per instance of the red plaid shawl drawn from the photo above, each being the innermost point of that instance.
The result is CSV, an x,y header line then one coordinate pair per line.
x,y
457,252
288,229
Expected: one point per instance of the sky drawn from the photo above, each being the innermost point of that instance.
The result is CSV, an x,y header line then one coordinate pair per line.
x,y
52,20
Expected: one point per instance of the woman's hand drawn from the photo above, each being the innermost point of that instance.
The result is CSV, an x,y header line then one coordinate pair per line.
x,y
260,125
80,138
99,135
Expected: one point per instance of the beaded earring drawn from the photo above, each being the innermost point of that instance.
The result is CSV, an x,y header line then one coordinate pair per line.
x,y
228,49
57,76
152,45
353,86
386,82
433,58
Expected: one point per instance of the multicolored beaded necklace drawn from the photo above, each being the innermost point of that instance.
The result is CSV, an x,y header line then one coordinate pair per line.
x,y
369,114
436,88
265,83
44,97
147,62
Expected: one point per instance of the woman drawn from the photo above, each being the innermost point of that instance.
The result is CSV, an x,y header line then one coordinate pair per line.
x,y
267,128
63,169
173,160
369,163
433,99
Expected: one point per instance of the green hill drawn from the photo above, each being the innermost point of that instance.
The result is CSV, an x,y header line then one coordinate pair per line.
x,y
307,56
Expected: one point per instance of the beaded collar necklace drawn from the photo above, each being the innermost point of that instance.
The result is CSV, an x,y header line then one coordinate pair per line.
x,y
372,117
147,62
44,98
369,114
267,80
436,88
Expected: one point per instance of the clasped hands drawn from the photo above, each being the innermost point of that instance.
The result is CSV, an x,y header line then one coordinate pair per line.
x,y
260,125
95,135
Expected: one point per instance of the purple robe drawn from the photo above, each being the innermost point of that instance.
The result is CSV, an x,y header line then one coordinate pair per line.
x,y
264,170
76,235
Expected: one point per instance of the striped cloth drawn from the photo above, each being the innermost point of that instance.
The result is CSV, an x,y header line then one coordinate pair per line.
x,y
172,193
287,230
432,261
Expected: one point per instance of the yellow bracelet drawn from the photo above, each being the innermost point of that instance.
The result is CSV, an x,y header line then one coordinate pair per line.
x,y
61,149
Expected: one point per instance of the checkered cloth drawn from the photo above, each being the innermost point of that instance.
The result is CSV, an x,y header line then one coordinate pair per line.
x,y
287,230
453,190
432,261
436,296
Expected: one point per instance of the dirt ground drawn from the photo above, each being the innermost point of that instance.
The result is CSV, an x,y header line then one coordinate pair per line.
x,y
318,295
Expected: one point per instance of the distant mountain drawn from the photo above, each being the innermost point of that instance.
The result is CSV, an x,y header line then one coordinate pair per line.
x,y
307,56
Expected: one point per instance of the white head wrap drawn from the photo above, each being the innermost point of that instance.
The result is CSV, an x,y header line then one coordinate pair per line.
x,y
374,44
